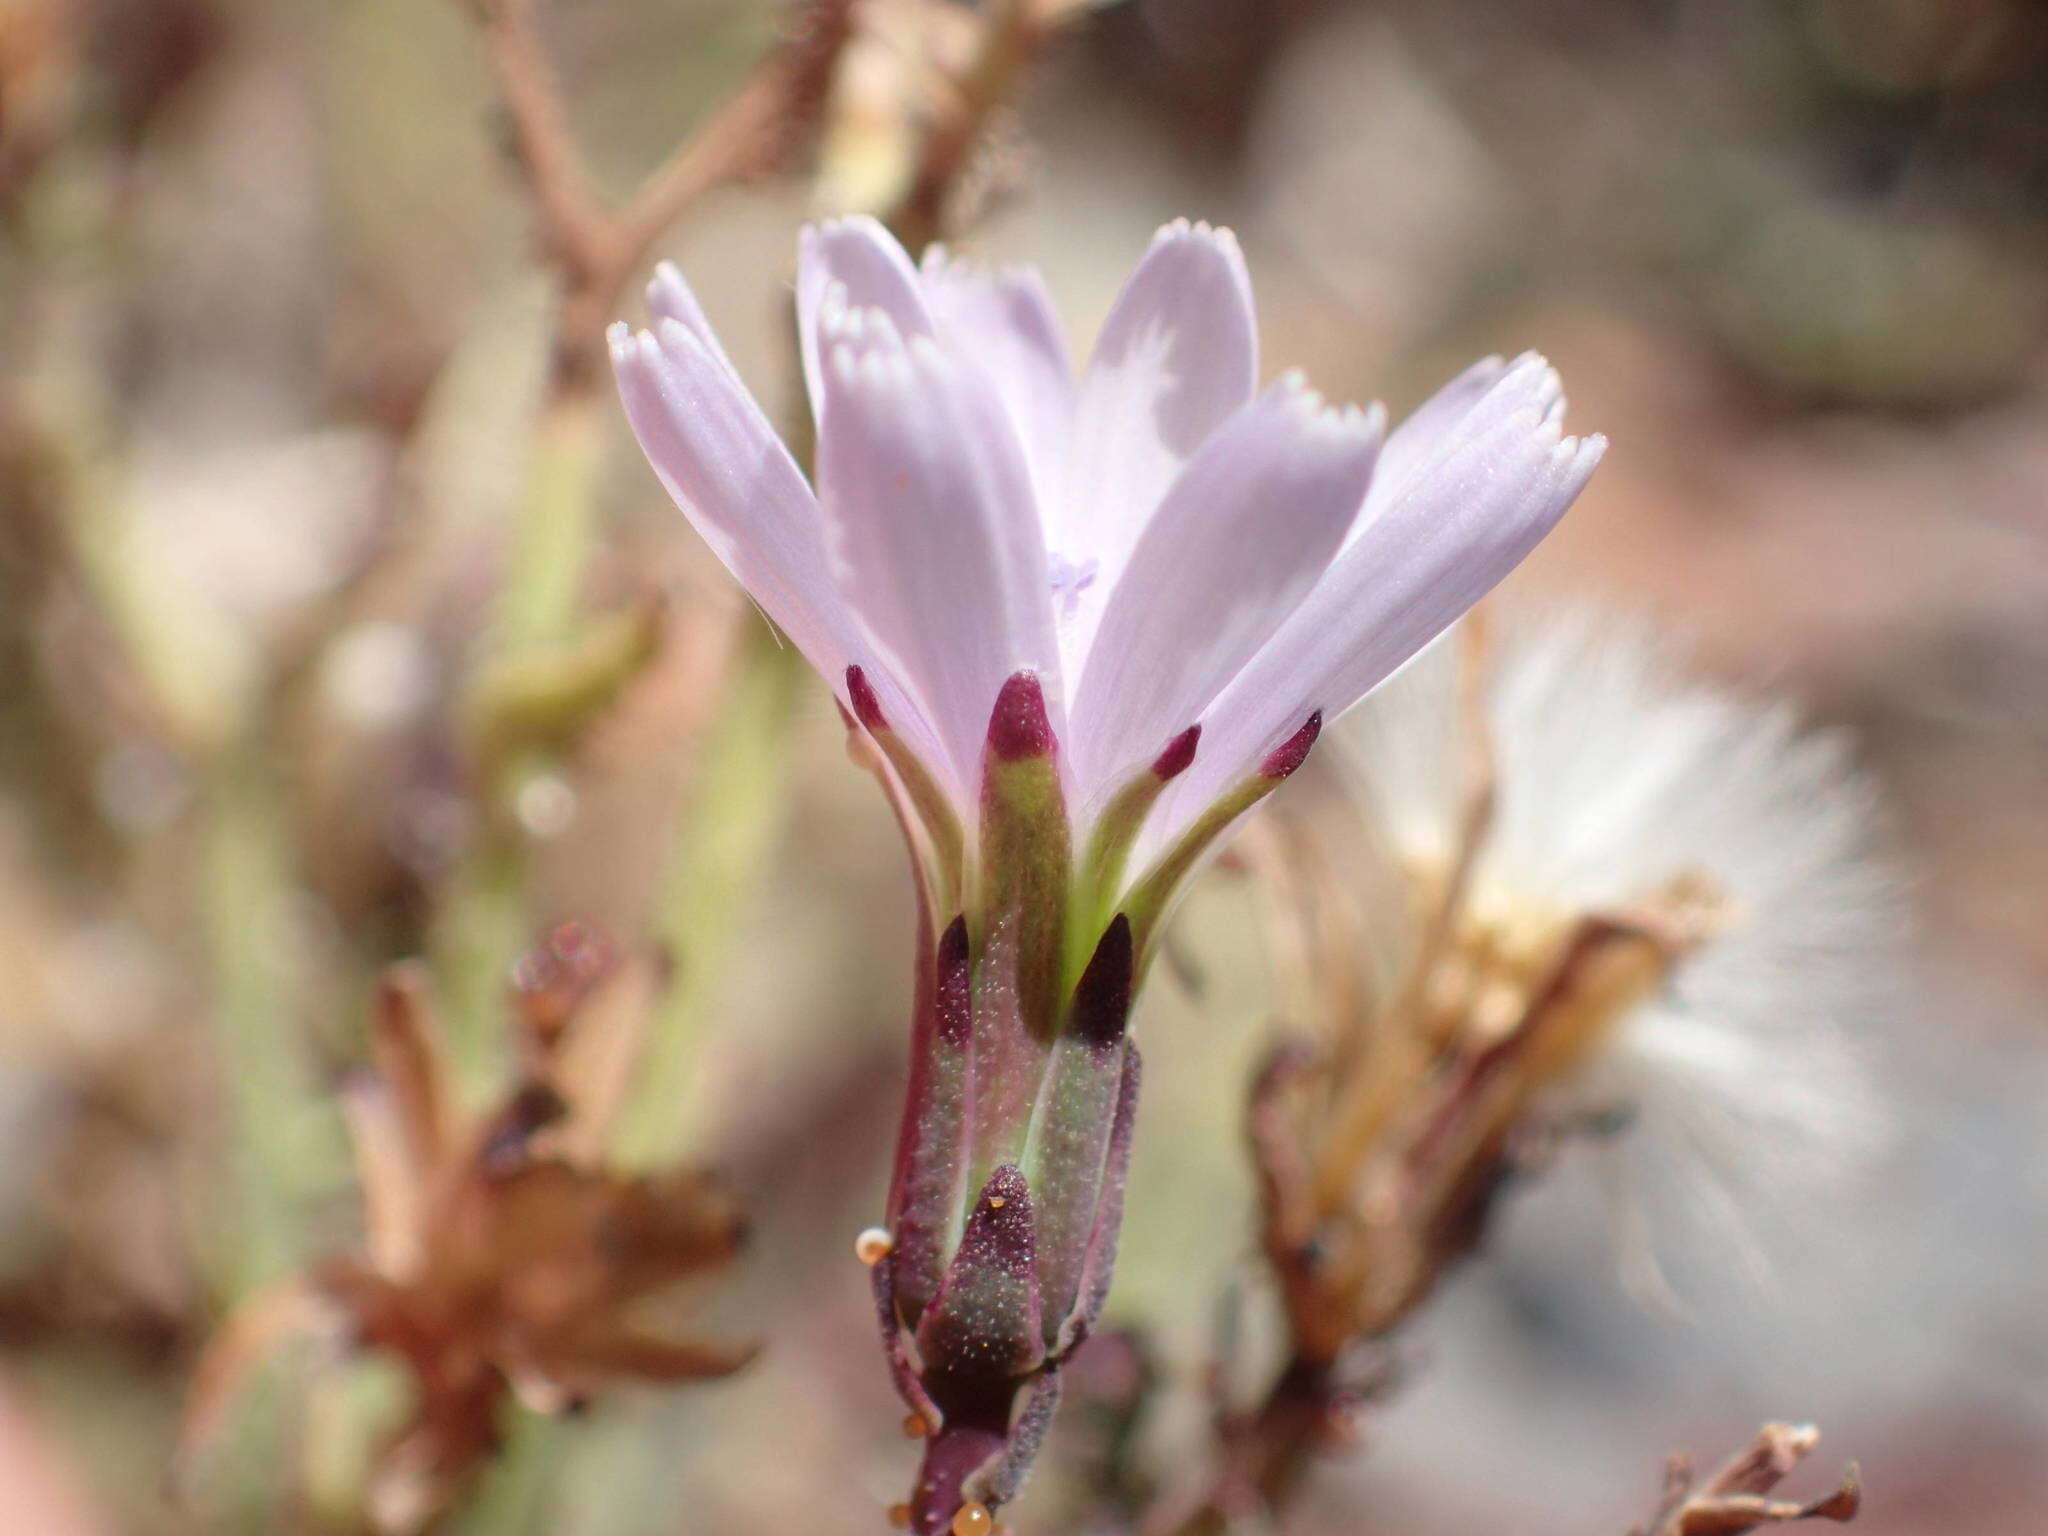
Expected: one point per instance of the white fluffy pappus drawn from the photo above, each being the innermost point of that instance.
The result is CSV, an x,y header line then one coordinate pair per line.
x,y
1615,776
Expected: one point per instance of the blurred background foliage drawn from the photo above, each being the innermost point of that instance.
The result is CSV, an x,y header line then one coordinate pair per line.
x,y
274,334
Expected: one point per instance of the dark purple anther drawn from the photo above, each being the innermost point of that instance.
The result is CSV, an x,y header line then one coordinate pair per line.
x,y
1178,754
1292,752
866,707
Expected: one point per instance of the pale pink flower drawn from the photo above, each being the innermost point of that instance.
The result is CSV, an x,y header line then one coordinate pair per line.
x,y
1162,542
1085,623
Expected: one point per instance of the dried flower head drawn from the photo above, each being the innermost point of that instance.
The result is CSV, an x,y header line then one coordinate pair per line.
x,y
1606,897
1547,887
501,1258
1624,787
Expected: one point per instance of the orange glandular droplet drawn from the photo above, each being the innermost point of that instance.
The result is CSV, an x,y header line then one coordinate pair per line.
x,y
973,1520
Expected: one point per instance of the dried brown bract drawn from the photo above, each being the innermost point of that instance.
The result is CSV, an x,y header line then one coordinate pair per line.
x,y
1737,1499
501,1258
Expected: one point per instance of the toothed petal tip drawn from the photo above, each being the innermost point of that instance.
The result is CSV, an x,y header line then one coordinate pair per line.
x,y
667,280
1324,423
1341,426
940,261
939,264
1196,229
857,325
1529,378
875,358
817,234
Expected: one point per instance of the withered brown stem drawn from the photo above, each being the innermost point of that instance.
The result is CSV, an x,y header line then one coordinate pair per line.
x,y
1011,37
1735,1500
762,128
1264,1454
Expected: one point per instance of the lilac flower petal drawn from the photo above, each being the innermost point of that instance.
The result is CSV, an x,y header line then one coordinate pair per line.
x,y
1177,357
1004,322
1241,537
930,523
734,480
851,263
1428,431
669,297
1414,568
723,465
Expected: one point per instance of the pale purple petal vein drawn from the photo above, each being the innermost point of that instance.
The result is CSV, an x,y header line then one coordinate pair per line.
x,y
930,524
1244,533
1176,358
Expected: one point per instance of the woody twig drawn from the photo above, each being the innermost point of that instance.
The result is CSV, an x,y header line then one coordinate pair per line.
x,y
763,128
1736,1499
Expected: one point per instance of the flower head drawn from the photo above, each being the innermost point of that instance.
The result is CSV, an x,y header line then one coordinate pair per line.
x,y
1078,625
1159,542
1623,788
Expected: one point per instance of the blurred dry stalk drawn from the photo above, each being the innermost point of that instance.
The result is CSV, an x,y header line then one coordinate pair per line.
x,y
1380,1142
924,91
540,659
502,1257
110,659
38,70
1736,1499
758,131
